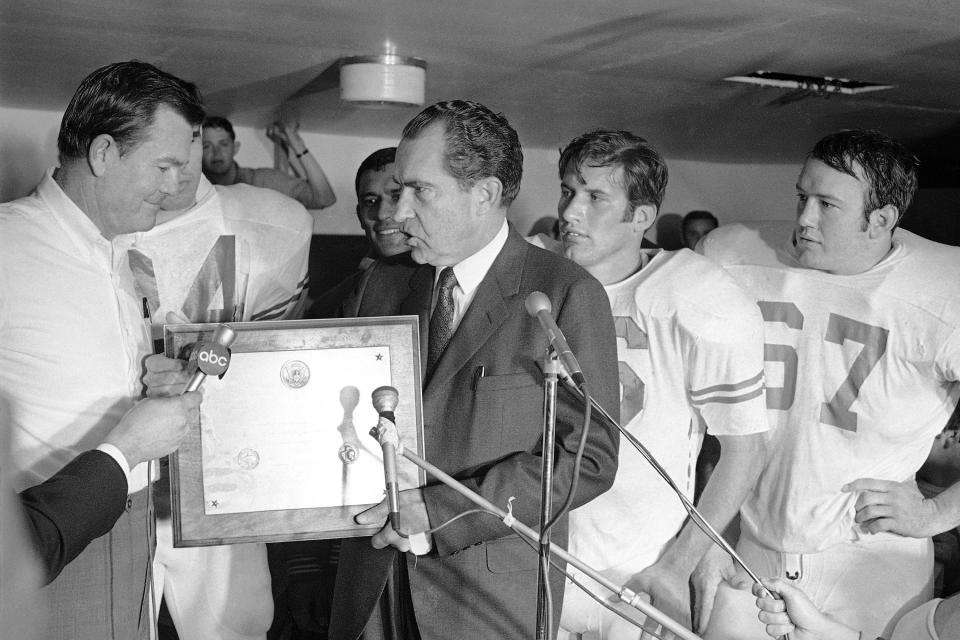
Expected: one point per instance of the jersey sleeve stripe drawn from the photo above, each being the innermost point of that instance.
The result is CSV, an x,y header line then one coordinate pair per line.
x,y
721,399
736,386
278,309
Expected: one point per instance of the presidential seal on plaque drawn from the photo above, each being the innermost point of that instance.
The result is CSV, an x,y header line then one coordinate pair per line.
x,y
295,374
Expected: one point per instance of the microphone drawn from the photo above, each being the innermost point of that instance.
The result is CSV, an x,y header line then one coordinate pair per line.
x,y
213,356
539,307
385,400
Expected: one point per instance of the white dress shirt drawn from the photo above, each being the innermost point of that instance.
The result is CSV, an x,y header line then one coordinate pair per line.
x,y
470,272
72,337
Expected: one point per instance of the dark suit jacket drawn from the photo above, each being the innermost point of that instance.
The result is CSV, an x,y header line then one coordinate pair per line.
x,y
480,580
78,504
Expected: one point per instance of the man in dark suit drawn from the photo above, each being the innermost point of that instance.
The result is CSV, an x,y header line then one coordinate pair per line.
x,y
377,195
459,168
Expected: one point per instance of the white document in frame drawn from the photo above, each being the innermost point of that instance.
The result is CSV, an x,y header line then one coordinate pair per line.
x,y
288,430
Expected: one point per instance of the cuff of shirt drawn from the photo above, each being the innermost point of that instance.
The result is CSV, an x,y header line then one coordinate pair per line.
x,y
117,455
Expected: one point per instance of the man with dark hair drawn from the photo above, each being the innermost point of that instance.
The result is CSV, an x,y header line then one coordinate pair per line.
x,y
459,166
690,361
310,187
377,194
862,332
695,225
70,304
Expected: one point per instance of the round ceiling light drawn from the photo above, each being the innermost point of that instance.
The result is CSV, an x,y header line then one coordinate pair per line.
x,y
383,80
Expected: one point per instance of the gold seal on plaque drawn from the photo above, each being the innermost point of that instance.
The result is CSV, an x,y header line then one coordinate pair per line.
x,y
348,453
295,374
248,459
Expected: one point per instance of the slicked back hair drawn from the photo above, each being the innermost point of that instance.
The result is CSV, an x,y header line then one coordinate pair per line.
x,y
219,122
889,168
479,144
644,170
376,161
121,100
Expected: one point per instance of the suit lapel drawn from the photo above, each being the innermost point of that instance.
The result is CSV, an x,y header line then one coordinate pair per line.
x,y
488,310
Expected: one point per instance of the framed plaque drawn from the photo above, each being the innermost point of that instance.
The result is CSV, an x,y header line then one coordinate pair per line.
x,y
283,450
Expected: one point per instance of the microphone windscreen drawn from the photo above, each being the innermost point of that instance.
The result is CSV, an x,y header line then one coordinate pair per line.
x,y
385,399
536,302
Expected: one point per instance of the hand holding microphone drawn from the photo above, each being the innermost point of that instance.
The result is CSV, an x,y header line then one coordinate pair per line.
x,y
415,511
170,376
539,307
213,356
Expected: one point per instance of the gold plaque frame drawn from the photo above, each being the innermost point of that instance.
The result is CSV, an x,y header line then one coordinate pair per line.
x,y
255,444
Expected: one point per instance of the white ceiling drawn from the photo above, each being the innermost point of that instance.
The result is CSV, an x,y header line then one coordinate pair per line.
x,y
556,68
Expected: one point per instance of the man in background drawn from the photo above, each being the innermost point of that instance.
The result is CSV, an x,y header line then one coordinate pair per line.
x,y
690,360
377,195
695,225
72,336
310,187
862,332
459,166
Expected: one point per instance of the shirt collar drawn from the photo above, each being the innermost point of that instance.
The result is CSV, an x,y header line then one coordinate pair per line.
x,y
471,270
75,223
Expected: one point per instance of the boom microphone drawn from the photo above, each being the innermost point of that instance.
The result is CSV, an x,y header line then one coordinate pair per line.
x,y
385,400
539,307
213,357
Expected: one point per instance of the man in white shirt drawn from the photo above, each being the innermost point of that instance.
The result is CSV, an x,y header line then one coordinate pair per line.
x,y
69,305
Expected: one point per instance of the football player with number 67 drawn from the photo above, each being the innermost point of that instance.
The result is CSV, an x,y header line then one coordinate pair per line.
x,y
862,332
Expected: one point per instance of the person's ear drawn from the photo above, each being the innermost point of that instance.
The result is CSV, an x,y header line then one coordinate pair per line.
x,y
881,221
236,146
487,194
643,217
101,153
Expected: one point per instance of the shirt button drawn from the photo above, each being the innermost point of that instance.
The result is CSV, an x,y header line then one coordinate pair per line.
x,y
129,503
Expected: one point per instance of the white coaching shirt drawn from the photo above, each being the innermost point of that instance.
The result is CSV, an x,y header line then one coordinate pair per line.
x,y
72,338
690,353
861,373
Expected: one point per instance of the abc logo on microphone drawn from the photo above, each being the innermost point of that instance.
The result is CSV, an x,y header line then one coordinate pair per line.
x,y
212,358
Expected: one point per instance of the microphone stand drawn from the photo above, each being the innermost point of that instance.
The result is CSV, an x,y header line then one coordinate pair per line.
x,y
623,593
551,367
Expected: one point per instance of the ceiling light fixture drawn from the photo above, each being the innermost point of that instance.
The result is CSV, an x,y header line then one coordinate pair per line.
x,y
383,80
817,84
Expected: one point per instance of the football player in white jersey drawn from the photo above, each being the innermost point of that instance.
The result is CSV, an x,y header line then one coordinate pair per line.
x,y
690,357
218,254
862,332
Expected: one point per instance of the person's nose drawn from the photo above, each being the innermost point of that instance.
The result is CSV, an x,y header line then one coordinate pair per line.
x,y
404,208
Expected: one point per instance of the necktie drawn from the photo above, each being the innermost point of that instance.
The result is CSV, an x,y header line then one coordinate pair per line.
x,y
441,322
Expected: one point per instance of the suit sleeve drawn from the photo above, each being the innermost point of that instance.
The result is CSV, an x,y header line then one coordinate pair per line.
x,y
585,319
74,507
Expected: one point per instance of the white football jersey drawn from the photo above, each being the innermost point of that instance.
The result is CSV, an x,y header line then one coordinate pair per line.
x,y
240,253
861,374
690,352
